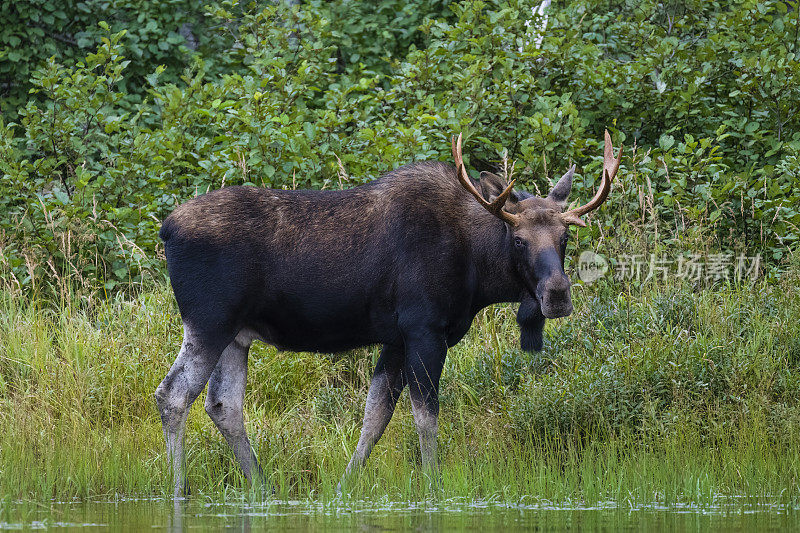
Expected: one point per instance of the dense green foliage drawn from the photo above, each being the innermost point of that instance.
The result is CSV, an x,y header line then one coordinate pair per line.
x,y
163,32
705,96
175,32
662,395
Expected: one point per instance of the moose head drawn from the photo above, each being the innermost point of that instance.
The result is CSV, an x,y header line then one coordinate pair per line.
x,y
538,234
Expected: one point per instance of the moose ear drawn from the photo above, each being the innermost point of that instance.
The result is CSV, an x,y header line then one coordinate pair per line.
x,y
561,191
491,187
531,324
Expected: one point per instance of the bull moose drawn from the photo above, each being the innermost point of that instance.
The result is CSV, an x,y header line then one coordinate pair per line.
x,y
405,261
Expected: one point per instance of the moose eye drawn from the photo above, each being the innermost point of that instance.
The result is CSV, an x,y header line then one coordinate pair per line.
x,y
519,243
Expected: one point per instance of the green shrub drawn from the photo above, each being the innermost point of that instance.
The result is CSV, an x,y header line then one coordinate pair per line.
x,y
323,96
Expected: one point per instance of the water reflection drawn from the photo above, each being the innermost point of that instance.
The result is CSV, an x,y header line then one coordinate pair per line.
x,y
176,520
242,516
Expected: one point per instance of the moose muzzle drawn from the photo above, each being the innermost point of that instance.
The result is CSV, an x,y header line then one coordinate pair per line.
x,y
554,296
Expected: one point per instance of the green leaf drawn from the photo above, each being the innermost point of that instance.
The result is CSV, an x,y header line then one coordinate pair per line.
x,y
62,196
666,141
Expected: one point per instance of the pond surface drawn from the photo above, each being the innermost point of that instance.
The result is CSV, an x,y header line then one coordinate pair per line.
x,y
195,515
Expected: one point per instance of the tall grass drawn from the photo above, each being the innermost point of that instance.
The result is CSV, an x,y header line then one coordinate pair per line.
x,y
663,394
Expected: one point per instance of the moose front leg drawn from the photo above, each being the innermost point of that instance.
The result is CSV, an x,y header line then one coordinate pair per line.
x,y
384,390
425,356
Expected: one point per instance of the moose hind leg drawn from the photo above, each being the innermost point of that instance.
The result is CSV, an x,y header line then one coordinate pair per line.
x,y
384,390
225,404
180,388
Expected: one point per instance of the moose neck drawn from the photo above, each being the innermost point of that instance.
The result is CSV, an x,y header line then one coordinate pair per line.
x,y
497,275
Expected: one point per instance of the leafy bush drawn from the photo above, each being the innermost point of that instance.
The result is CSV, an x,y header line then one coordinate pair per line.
x,y
321,95
670,361
168,32
487,375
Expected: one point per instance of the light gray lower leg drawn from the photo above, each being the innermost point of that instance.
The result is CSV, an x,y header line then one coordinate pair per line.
x,y
424,362
427,423
225,405
384,391
174,396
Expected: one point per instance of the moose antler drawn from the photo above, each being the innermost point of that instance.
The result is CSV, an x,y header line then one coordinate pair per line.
x,y
610,167
495,207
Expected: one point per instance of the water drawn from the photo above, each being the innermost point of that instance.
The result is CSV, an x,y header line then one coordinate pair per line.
x,y
141,515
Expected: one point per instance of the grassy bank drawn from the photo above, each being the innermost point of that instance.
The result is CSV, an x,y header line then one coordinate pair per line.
x,y
665,393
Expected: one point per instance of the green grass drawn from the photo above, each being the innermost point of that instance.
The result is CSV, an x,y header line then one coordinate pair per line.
x,y
668,395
